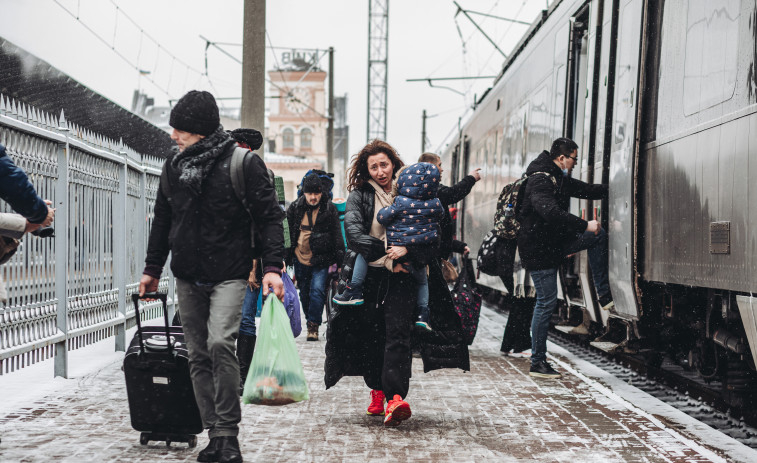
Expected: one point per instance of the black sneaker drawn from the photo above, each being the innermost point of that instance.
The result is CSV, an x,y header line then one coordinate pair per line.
x,y
228,450
606,302
349,297
544,370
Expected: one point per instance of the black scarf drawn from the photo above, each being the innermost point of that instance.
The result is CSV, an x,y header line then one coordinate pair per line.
x,y
197,160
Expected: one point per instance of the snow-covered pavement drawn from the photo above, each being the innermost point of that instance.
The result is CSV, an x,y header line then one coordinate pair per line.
x,y
495,412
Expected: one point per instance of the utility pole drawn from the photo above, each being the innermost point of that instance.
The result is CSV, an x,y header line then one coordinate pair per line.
x,y
330,130
423,133
378,65
253,66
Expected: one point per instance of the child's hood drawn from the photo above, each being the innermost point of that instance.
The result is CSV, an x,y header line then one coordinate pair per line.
x,y
419,181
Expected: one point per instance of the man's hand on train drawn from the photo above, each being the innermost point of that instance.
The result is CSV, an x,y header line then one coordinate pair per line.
x,y
594,227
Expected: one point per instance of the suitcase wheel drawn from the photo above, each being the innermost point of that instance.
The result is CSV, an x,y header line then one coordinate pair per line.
x,y
168,442
144,438
192,442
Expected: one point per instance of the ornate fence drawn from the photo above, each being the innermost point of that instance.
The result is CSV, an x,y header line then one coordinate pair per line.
x,y
70,291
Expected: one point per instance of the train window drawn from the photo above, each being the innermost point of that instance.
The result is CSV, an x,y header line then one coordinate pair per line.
x,y
711,53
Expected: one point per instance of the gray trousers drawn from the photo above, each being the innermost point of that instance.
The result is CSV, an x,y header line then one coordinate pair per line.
x,y
210,315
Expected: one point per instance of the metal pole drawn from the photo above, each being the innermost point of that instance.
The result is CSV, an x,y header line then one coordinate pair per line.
x,y
330,131
61,254
253,66
423,133
120,250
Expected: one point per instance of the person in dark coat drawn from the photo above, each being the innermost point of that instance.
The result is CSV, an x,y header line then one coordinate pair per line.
x,y
374,340
411,220
316,236
200,220
548,233
17,190
450,195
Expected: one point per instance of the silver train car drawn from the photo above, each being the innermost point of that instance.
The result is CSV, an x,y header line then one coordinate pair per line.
x,y
661,97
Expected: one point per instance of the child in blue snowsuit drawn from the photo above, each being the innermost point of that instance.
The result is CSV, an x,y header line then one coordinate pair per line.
x,y
411,221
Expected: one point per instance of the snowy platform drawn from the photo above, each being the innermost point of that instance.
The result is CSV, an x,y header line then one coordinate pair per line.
x,y
496,412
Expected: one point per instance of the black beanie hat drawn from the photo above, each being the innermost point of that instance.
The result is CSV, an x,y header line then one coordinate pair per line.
x,y
312,184
250,137
196,112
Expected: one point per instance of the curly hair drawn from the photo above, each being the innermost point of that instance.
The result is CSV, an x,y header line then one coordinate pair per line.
x,y
358,173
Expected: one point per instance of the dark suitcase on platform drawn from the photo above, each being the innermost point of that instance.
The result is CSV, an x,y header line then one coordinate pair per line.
x,y
161,397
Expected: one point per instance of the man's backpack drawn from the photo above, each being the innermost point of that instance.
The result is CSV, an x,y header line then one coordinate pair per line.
x,y
506,224
327,182
486,261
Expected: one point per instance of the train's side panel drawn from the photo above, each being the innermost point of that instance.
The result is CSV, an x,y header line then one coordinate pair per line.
x,y
531,97
621,221
699,174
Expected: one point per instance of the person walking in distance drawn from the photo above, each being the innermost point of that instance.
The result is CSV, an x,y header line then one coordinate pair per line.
x,y
316,244
548,233
207,229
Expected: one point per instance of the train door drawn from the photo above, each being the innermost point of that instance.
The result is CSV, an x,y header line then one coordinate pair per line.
x,y
464,162
622,157
580,118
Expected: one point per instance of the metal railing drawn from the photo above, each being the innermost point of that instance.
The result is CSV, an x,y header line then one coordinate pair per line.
x,y
72,290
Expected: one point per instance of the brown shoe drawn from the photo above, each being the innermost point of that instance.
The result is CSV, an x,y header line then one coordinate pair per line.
x,y
312,331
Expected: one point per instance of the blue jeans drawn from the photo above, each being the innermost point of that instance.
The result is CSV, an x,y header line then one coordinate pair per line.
x,y
312,284
545,284
421,280
249,311
359,270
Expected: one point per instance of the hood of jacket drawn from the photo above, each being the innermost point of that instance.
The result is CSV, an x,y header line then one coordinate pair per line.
x,y
419,181
544,163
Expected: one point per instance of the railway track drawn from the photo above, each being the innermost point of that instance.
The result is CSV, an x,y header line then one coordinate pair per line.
x,y
669,383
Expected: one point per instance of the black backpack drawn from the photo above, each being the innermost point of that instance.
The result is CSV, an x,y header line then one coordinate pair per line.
x,y
506,224
487,254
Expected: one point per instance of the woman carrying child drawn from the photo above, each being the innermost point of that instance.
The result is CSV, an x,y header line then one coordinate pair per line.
x,y
373,340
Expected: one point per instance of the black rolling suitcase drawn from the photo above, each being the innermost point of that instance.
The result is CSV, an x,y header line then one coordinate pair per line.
x,y
161,397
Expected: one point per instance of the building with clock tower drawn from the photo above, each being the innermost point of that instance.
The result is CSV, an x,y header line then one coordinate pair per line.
x,y
297,122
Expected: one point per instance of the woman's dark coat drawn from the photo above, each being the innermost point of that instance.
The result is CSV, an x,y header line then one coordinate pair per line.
x,y
354,336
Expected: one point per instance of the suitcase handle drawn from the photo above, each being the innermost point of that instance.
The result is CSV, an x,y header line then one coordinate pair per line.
x,y
164,299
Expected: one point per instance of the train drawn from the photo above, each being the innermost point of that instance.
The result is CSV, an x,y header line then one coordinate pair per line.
x,y
661,98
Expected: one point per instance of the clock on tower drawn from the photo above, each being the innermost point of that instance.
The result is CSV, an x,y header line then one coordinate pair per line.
x,y
297,100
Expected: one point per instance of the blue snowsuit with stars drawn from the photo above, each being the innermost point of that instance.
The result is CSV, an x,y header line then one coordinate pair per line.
x,y
413,219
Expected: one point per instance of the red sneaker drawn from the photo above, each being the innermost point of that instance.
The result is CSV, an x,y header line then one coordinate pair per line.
x,y
377,403
397,411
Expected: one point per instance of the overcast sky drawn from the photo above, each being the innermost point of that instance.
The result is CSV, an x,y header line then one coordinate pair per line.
x,y
426,39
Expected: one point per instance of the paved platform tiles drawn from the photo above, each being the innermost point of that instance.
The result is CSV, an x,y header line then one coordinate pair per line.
x,y
495,412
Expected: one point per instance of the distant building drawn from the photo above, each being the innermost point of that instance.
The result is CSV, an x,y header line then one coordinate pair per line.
x,y
296,135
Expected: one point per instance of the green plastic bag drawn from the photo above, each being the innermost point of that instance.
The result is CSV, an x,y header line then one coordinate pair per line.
x,y
275,376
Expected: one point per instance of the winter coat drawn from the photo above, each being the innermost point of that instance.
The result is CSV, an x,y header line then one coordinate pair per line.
x,y
17,191
413,218
546,226
209,235
450,195
354,337
326,242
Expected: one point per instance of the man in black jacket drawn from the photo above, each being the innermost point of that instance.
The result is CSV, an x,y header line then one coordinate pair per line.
x,y
450,195
548,233
317,243
200,220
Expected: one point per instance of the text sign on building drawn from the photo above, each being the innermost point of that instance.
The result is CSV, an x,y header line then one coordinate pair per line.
x,y
293,56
